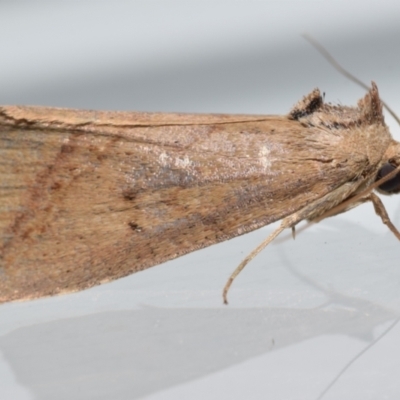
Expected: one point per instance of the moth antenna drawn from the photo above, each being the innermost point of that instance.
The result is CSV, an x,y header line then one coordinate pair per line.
x,y
354,359
259,248
324,52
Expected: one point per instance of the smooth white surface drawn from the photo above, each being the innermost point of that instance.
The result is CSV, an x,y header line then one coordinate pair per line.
x,y
303,309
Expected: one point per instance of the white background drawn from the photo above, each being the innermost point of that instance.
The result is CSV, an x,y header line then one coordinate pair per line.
x,y
303,309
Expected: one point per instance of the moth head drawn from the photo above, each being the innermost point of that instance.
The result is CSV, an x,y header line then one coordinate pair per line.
x,y
391,186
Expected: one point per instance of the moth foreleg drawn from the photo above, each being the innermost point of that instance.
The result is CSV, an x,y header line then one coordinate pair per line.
x,y
378,207
381,211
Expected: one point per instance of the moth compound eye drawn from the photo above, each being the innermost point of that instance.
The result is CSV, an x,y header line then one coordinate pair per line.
x,y
393,184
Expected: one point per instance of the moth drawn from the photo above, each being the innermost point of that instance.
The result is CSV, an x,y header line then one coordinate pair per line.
x,y
87,197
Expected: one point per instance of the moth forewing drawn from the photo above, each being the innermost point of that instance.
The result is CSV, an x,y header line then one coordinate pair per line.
x,y
88,197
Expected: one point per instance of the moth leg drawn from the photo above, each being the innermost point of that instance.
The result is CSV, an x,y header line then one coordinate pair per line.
x,y
381,211
316,208
379,208
286,223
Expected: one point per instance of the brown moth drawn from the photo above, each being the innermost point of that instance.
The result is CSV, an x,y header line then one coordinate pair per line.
x,y
87,197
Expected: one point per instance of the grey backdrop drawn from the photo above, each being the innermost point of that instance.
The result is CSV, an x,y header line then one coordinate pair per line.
x,y
303,309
